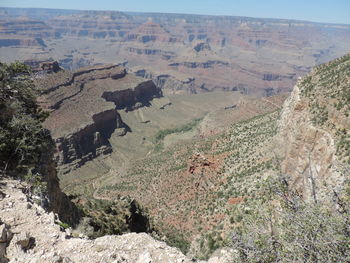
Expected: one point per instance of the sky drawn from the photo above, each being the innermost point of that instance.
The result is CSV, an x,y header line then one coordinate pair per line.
x,y
329,11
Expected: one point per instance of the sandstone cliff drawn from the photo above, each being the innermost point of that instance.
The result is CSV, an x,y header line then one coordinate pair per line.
x,y
168,83
314,132
82,132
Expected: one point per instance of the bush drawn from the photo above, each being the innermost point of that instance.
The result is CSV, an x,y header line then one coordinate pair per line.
x,y
185,128
292,230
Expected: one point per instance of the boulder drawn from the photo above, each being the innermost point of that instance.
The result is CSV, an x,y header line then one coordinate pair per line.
x,y
5,238
24,241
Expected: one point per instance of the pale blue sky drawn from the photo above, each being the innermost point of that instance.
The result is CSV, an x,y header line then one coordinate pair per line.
x,y
331,11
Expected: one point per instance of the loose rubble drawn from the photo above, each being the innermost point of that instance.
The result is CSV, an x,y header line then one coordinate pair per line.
x,y
29,234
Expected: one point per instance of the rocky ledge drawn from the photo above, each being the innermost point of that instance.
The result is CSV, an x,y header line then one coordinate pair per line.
x,y
29,234
82,133
45,66
169,83
206,64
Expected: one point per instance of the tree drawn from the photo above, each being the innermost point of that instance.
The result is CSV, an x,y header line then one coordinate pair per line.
x,y
22,137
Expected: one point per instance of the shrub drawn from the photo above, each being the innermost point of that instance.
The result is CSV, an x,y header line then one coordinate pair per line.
x,y
294,231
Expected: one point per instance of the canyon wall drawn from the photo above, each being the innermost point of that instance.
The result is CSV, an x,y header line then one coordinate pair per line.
x,y
258,56
314,133
82,132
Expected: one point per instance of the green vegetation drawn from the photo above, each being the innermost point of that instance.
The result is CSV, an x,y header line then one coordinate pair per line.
x,y
185,128
176,239
248,163
113,217
23,140
327,92
280,226
287,229
63,225
36,183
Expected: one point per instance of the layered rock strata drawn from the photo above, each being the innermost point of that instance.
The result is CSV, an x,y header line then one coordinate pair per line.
x,y
261,56
82,132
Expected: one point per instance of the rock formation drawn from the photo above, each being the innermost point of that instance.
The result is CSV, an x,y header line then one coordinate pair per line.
x,y
23,33
82,133
48,66
220,53
201,47
29,234
314,132
170,84
21,42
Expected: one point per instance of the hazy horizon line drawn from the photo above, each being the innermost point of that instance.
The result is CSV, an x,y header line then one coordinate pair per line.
x,y
176,13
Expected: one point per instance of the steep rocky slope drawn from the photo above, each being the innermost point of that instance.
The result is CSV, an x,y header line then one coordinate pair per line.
x,y
303,205
26,148
314,130
191,187
29,234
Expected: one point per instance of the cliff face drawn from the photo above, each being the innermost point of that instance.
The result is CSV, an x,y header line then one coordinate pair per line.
x,y
314,132
23,32
59,203
90,141
133,98
169,83
82,133
21,42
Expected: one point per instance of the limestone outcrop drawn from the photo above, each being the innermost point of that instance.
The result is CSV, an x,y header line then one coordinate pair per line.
x,y
29,234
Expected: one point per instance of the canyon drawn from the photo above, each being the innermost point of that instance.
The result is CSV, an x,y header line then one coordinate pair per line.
x,y
187,118
196,189
197,53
